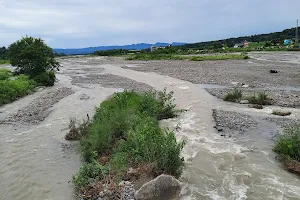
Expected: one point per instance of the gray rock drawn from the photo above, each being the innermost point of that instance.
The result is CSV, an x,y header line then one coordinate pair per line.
x,y
245,86
219,128
163,187
244,102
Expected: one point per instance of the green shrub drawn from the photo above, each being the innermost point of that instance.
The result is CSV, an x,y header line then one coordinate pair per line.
x,y
12,89
261,98
2,62
150,144
45,78
233,95
288,148
88,173
5,74
77,130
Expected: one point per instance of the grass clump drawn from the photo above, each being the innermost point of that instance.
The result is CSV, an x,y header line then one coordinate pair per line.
x,y
4,62
77,130
12,88
125,131
261,98
281,113
5,74
220,57
233,95
288,148
156,56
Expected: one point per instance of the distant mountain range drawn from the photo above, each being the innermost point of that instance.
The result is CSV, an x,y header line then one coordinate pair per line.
x,y
90,50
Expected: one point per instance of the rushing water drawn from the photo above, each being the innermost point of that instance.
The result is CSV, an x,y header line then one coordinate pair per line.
x,y
35,164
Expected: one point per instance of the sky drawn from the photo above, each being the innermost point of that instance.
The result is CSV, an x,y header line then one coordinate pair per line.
x,y
86,23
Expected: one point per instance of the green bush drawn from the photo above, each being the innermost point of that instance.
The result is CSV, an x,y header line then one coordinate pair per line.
x,y
12,89
288,144
5,74
45,78
261,98
2,62
150,144
233,95
88,173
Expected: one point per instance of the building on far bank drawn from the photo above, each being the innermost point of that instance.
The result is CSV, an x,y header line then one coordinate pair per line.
x,y
242,44
153,48
287,42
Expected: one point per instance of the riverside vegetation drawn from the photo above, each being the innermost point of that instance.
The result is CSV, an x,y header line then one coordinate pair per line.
x,y
123,135
156,56
288,148
35,66
236,95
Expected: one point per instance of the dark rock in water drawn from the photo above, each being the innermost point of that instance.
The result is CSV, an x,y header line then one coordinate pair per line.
x,y
164,187
272,71
219,128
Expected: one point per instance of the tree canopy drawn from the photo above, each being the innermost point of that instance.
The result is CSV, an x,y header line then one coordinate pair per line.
x,y
32,56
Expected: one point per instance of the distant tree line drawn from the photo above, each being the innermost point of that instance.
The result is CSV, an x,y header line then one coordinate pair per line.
x,y
273,38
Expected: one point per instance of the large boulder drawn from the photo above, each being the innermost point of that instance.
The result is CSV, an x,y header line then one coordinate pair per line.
x,y
163,187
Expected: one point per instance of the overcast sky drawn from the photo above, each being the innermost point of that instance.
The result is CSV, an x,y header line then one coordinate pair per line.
x,y
84,23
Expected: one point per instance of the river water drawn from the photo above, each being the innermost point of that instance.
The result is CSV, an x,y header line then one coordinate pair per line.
x,y
37,163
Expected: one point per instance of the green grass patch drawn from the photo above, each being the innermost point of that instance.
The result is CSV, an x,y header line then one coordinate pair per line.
x,y
288,148
14,87
260,98
234,95
4,62
126,129
220,57
154,56
281,113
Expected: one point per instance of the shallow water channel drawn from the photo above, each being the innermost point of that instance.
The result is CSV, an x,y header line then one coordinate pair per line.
x,y
37,163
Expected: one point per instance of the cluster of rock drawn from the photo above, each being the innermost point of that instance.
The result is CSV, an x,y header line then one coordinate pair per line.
x,y
164,187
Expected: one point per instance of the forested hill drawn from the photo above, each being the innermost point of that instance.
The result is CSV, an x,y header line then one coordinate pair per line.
x,y
276,37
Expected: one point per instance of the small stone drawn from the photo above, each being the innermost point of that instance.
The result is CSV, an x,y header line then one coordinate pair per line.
x,y
122,184
245,86
244,102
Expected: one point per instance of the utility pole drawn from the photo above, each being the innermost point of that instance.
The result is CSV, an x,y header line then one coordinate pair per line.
x,y
297,32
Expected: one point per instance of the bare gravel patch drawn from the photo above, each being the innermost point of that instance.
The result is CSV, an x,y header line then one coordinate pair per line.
x,y
250,72
231,123
111,81
38,110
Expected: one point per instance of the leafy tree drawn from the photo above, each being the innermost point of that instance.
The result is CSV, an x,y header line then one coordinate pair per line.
x,y
3,53
32,56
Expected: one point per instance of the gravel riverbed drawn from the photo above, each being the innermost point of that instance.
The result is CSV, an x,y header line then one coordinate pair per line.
x,y
282,87
39,109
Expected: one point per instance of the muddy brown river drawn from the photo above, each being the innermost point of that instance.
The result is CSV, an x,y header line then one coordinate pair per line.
x,y
38,163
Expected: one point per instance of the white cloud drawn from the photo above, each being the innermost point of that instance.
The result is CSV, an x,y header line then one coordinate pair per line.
x,y
80,23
